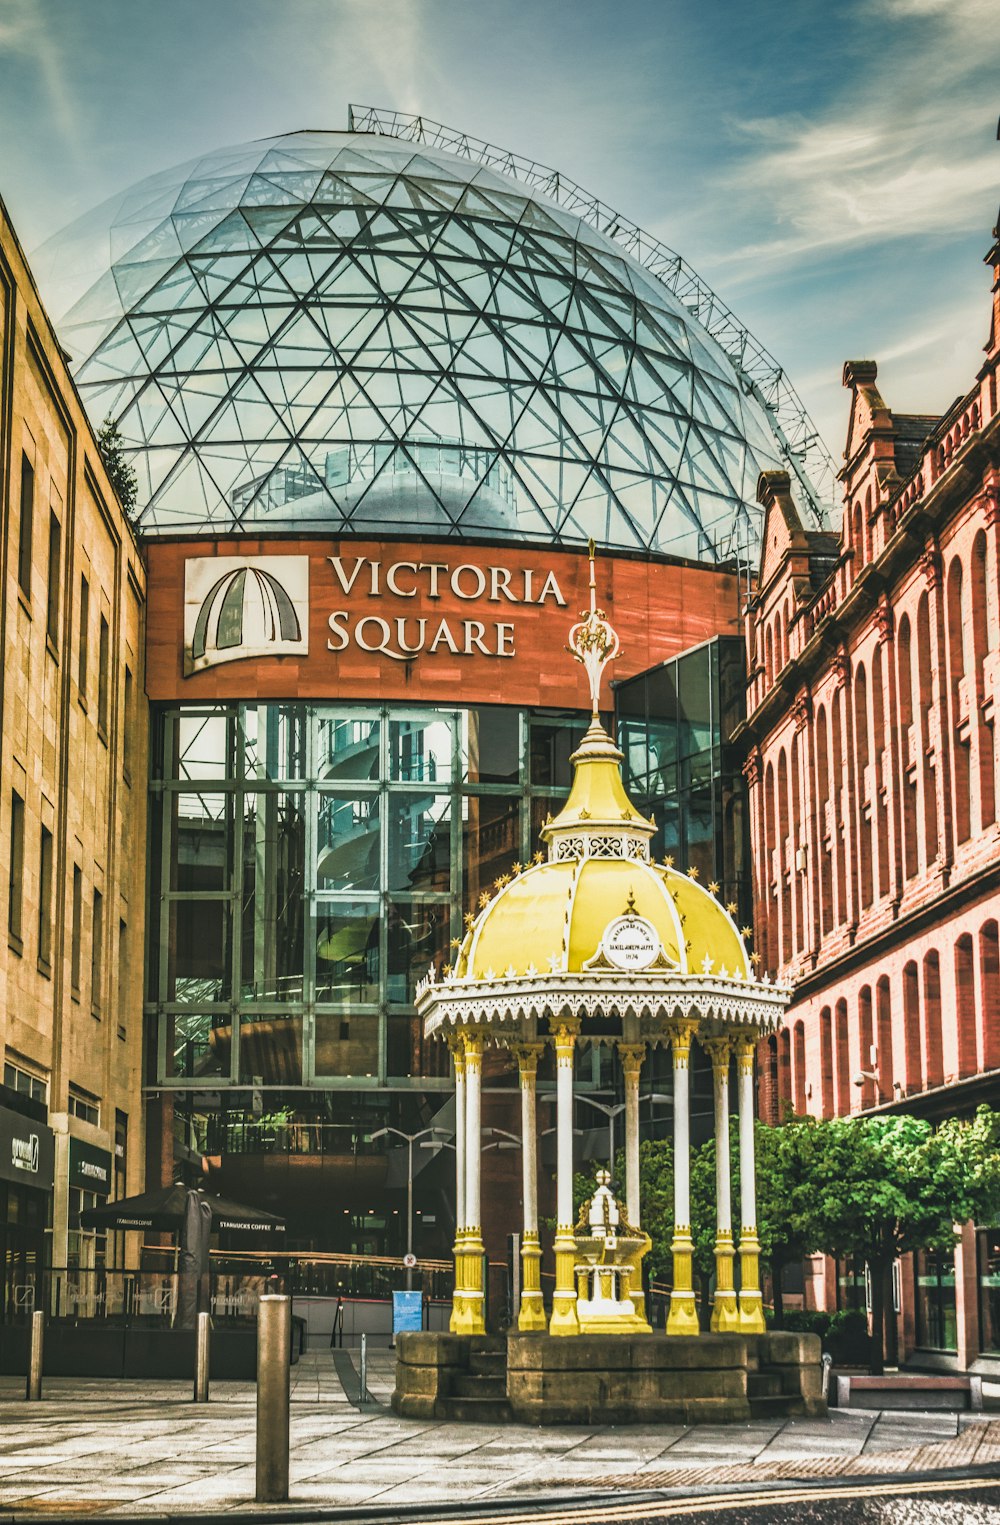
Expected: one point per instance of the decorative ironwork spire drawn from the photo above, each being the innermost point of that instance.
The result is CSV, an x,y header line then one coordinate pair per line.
x,y
593,640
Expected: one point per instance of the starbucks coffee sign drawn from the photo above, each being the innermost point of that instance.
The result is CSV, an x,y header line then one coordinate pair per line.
x,y
631,942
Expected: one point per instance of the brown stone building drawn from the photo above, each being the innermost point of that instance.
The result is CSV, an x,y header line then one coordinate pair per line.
x,y
73,738
873,670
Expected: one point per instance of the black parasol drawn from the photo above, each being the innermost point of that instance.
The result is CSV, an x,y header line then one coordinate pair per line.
x,y
194,1216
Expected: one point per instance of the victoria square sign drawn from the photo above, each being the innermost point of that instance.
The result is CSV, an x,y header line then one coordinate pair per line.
x,y
283,618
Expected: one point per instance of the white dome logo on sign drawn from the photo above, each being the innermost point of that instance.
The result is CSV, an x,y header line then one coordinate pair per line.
x,y
631,942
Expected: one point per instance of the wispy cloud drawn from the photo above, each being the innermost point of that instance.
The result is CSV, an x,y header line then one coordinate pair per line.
x,y
884,156
27,35
390,37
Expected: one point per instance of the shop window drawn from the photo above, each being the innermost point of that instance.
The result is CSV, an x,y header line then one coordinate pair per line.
x,y
85,1249
97,955
936,1322
103,659
76,932
26,527
127,726
347,952
988,1254
491,746
55,575
83,1105
198,1046
15,886
83,650
45,901
17,1078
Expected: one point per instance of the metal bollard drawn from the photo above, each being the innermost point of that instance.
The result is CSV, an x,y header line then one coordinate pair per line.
x,y
827,1363
201,1358
363,1375
36,1356
274,1336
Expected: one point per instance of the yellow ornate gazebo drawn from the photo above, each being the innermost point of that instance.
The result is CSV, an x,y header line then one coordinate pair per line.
x,y
596,943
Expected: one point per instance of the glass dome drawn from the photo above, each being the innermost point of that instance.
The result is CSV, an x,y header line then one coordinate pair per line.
x,y
354,333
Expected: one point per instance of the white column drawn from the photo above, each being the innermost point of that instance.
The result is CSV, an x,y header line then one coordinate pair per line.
x,y
751,1302
564,1318
631,1056
458,1054
531,1313
683,1315
473,1130
468,1306
725,1314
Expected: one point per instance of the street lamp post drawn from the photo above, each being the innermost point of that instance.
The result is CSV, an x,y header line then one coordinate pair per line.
x,y
411,1139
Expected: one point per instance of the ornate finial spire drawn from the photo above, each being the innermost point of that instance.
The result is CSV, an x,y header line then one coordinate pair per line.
x,y
593,641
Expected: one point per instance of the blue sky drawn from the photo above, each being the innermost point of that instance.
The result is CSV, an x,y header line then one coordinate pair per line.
x,y
830,168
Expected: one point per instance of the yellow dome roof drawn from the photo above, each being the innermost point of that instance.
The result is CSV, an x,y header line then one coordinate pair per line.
x,y
552,918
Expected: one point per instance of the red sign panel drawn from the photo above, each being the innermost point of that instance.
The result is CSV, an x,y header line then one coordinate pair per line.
x,y
443,623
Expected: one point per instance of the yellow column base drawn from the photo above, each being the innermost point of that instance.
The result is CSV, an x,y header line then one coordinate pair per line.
x,y
468,1304
751,1301
683,1315
564,1318
531,1315
725,1311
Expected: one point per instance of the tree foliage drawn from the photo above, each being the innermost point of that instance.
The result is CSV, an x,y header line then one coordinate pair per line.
x,y
120,474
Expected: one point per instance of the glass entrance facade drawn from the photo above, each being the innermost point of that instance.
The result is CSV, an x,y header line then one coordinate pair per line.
x,y
311,863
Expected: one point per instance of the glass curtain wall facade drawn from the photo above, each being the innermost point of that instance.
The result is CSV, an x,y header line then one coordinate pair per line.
x,y
674,727
311,862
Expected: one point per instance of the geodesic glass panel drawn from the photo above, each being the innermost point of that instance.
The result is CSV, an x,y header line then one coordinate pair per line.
x,y
348,332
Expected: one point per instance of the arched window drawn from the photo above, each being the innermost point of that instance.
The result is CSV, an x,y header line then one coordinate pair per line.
x,y
784,889
868,525
909,763
772,868
980,649
883,1019
864,823
826,1061
837,796
784,1069
959,721
965,1004
911,1028
933,1059
880,814
925,740
842,1059
799,1065
866,1041
858,539
769,657
798,878
788,630
770,1108
989,978
825,817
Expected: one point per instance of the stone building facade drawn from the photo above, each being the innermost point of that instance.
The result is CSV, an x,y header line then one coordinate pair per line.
x,y
873,672
73,739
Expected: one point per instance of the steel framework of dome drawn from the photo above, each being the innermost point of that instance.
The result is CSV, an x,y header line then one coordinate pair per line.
x,y
396,329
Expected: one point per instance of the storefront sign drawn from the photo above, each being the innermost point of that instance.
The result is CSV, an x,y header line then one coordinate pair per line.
x,y
331,617
89,1167
27,1151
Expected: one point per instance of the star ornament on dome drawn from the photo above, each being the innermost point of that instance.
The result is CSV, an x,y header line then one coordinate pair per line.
x,y
484,899
456,942
732,907
693,871
713,887
538,858
593,641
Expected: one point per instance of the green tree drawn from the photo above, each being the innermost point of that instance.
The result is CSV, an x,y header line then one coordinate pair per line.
x,y
120,474
886,1186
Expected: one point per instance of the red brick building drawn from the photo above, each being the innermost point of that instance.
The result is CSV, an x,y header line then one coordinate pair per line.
x,y
874,678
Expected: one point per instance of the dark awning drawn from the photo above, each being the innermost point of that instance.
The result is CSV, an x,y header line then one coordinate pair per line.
x,y
164,1210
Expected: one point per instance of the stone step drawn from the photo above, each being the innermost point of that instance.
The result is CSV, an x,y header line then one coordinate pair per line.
x,y
478,1410
488,1363
775,1406
478,1385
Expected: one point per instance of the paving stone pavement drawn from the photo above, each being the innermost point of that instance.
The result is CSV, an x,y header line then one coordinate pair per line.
x,y
137,1448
